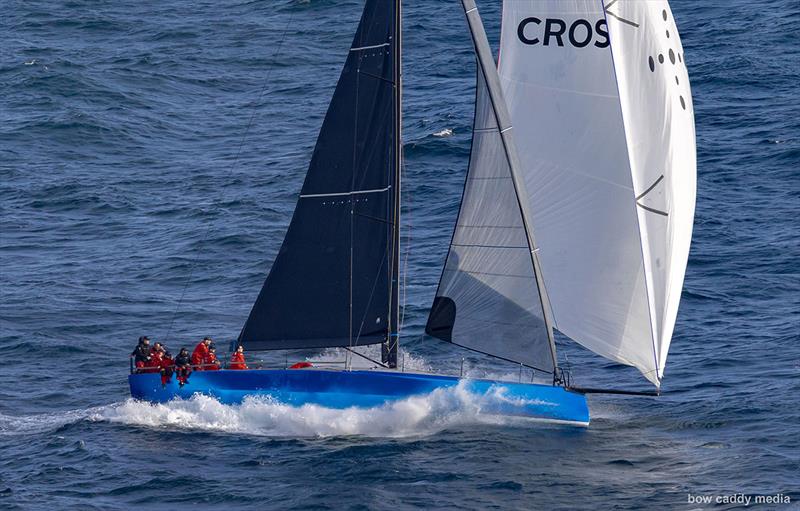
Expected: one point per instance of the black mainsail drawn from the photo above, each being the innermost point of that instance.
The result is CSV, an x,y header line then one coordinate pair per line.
x,y
335,281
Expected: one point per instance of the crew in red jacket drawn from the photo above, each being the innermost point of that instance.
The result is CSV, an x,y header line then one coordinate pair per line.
x,y
211,362
200,353
157,346
154,364
167,368
237,359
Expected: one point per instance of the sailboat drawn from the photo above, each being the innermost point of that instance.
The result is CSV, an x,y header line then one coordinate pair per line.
x,y
599,165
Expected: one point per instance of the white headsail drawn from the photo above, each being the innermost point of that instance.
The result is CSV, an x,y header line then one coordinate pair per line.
x,y
491,298
599,97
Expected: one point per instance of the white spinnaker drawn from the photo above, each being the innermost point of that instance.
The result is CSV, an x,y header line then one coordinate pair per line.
x,y
596,129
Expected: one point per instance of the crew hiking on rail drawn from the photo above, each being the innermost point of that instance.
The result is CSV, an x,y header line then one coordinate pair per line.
x,y
157,359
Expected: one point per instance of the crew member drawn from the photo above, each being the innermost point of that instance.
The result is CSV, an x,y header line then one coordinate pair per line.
x,y
211,362
237,359
167,368
141,354
200,353
183,367
156,355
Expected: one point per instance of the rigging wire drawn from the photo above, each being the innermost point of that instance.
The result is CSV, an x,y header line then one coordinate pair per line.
x,y
231,169
410,209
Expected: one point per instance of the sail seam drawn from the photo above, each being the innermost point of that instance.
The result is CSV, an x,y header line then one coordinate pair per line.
x,y
490,274
370,47
487,246
560,89
490,227
385,80
344,194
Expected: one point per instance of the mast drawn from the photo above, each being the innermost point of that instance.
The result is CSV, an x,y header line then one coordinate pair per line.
x,y
391,344
486,66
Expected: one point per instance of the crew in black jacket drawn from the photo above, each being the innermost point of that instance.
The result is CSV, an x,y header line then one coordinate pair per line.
x,y
141,353
183,367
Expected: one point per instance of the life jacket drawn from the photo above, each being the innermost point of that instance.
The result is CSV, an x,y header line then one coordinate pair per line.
x,y
167,369
211,363
237,361
154,364
301,365
199,355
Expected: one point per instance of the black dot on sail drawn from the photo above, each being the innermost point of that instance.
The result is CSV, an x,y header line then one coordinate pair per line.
x,y
671,56
652,64
676,81
683,103
660,58
664,14
667,33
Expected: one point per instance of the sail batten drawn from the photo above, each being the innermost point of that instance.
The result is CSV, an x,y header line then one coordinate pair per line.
x,y
332,281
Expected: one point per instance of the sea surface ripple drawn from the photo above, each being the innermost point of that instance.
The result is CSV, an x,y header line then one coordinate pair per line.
x,y
125,174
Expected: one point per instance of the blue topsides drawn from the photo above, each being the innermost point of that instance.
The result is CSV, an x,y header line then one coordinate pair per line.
x,y
364,389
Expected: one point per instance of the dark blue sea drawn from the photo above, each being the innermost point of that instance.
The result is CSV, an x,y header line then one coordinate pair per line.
x,y
135,200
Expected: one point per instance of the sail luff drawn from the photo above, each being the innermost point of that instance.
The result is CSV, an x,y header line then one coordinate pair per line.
x,y
391,345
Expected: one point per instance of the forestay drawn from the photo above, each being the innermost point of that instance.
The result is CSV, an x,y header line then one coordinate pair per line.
x,y
331,283
600,100
488,298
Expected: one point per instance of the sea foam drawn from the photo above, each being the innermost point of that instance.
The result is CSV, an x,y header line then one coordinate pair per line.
x,y
413,416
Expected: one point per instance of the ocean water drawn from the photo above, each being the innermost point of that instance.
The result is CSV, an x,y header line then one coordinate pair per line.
x,y
134,199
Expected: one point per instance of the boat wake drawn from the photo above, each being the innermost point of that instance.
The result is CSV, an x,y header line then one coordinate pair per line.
x,y
415,416
11,425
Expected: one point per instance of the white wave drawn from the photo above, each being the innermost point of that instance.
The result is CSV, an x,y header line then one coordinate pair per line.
x,y
414,416
444,133
12,425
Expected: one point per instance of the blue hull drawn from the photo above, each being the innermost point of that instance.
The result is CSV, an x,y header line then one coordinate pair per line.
x,y
364,389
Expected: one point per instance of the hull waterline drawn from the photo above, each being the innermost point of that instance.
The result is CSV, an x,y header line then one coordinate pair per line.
x,y
365,389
